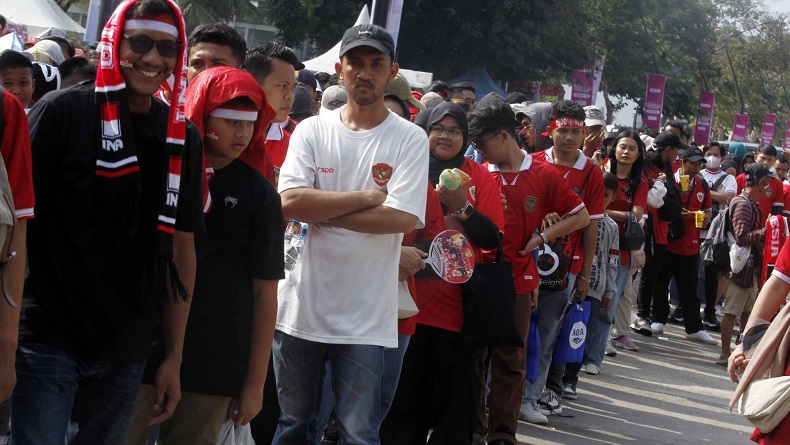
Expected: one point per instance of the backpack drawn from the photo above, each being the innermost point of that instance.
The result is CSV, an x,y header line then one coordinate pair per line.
x,y
7,217
715,250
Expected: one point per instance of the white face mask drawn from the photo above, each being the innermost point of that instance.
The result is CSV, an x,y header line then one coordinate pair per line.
x,y
712,162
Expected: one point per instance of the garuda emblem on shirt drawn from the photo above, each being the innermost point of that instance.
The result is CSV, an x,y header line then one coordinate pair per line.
x,y
382,173
531,204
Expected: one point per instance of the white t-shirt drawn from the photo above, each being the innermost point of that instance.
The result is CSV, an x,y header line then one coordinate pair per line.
x,y
727,186
344,286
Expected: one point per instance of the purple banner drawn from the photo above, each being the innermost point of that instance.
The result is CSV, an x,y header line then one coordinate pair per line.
x,y
654,101
787,136
702,133
581,92
769,128
740,127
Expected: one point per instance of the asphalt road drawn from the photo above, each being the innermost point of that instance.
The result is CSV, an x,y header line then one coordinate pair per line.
x,y
669,392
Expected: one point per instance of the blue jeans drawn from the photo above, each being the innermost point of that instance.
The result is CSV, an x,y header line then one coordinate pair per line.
x,y
58,392
600,323
357,373
551,306
393,360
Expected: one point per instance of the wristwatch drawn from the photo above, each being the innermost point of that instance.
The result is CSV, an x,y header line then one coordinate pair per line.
x,y
466,210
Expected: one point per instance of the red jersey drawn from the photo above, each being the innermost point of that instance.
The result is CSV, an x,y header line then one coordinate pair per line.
x,y
779,434
434,225
660,227
533,192
442,306
15,148
587,182
774,203
695,199
786,192
276,143
625,201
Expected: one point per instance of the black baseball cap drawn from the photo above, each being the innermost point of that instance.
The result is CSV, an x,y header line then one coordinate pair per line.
x,y
367,35
692,154
756,171
670,139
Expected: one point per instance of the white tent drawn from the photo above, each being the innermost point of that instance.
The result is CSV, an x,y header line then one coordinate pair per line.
x,y
326,61
38,18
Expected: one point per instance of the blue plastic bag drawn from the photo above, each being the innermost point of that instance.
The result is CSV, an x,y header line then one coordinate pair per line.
x,y
573,334
533,348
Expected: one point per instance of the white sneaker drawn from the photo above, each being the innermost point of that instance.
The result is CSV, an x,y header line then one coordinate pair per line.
x,y
592,369
530,412
657,328
703,337
549,403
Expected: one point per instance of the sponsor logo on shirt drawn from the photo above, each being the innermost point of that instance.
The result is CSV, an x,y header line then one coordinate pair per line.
x,y
325,170
531,204
231,201
382,173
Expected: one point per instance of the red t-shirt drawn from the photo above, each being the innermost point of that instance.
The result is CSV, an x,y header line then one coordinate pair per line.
x,y
587,182
786,192
696,199
15,148
622,202
434,225
660,227
440,302
769,205
780,434
531,193
276,143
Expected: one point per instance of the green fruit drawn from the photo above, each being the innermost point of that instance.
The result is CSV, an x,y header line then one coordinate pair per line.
x,y
450,179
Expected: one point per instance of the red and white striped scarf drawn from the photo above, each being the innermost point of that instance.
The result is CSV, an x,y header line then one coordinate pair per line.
x,y
118,181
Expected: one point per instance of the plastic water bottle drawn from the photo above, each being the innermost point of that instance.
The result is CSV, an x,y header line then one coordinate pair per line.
x,y
293,243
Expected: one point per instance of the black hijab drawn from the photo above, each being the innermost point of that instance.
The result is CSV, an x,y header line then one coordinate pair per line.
x,y
436,165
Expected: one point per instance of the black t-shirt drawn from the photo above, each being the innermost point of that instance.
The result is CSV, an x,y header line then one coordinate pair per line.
x,y
243,240
82,294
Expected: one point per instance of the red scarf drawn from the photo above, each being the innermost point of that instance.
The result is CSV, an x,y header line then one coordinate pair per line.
x,y
118,182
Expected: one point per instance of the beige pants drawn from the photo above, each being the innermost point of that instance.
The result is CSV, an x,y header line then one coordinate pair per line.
x,y
622,315
196,420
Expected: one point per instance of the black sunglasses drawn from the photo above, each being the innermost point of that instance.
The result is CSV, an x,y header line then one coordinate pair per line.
x,y
142,44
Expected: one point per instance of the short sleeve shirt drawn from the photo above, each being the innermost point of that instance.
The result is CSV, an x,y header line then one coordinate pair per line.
x,y
771,204
15,148
586,181
695,199
343,288
531,193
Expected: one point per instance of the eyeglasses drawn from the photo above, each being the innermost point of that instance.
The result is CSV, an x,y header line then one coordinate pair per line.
x,y
452,133
522,128
480,146
142,44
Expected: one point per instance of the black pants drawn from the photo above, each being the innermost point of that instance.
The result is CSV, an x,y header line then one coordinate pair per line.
x,y
647,285
711,290
264,424
685,269
439,388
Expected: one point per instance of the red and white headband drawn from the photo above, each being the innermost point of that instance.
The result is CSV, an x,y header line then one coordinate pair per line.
x,y
150,23
566,121
236,114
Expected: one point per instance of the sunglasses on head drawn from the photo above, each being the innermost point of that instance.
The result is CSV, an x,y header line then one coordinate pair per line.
x,y
142,44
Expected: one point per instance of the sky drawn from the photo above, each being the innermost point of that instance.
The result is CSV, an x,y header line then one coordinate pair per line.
x,y
782,6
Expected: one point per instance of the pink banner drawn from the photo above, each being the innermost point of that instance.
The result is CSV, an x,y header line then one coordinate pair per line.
x,y
581,92
654,101
740,127
787,136
769,128
702,133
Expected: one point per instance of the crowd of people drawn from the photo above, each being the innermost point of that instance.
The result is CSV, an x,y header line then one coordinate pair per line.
x,y
210,235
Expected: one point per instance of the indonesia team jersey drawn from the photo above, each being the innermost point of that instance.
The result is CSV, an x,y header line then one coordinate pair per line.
x,y
440,302
587,182
533,192
625,200
276,143
695,199
15,148
434,225
774,203
343,288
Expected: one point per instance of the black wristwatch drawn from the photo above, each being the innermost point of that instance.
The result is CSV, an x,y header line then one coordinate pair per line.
x,y
466,210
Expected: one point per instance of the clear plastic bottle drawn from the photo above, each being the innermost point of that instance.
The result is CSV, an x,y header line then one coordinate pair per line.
x,y
295,234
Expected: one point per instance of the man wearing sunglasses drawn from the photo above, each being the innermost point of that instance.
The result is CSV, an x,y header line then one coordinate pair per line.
x,y
118,183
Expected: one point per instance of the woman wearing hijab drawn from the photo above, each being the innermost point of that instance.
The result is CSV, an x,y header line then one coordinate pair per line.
x,y
439,388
